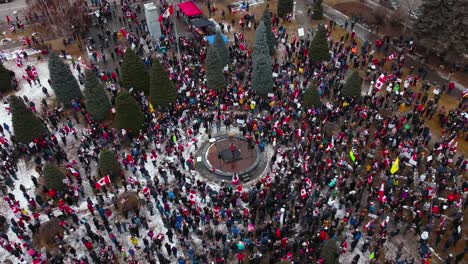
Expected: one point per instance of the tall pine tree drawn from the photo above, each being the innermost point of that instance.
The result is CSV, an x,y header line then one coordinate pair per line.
x,y
96,100
329,252
443,26
108,165
318,10
220,46
262,73
271,40
162,90
133,72
63,82
26,125
318,49
285,7
214,70
53,177
352,87
128,114
312,97
7,79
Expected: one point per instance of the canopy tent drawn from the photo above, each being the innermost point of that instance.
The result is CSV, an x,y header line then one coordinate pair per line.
x,y
211,38
190,9
201,22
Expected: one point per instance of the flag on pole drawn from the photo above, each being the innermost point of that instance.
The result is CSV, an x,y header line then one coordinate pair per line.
x,y
105,180
395,166
351,155
169,11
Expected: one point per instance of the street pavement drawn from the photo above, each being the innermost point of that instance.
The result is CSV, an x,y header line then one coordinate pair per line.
x,y
8,9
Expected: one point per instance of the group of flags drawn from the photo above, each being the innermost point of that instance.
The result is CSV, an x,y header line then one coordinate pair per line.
x,y
169,11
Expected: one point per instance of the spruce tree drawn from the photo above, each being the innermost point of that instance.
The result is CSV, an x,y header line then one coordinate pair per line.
x,y
133,72
318,10
352,87
108,165
96,100
271,40
53,177
6,79
318,49
214,70
26,125
312,97
329,252
220,46
285,7
63,82
128,114
262,79
162,90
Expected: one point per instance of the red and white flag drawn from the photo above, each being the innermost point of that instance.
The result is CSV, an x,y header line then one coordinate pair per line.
x,y
74,172
303,193
216,211
382,197
105,180
192,197
392,56
380,82
239,189
169,11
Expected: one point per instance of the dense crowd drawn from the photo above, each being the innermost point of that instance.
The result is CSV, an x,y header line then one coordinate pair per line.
x,y
357,171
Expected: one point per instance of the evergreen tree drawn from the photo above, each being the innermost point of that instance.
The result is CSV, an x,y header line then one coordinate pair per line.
x,y
442,26
108,165
128,113
220,46
214,70
162,90
63,82
7,79
262,74
26,125
329,252
53,177
318,10
318,49
96,100
352,87
133,72
271,40
312,97
285,7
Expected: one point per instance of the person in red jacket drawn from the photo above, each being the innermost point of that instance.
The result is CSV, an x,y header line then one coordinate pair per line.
x,y
240,258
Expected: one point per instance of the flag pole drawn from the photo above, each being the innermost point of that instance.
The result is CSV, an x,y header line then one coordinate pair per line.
x,y
177,40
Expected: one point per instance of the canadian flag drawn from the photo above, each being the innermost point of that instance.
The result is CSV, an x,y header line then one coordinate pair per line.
x,y
453,144
384,222
268,180
169,11
192,197
235,179
105,180
303,193
392,56
308,183
380,82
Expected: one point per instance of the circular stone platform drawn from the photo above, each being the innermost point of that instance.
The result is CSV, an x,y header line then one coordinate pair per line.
x,y
226,155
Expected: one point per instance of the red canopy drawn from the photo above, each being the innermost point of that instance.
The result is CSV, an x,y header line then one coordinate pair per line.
x,y
190,9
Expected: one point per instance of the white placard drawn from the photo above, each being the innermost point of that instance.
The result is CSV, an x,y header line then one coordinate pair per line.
x,y
199,159
275,75
270,95
429,158
300,31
